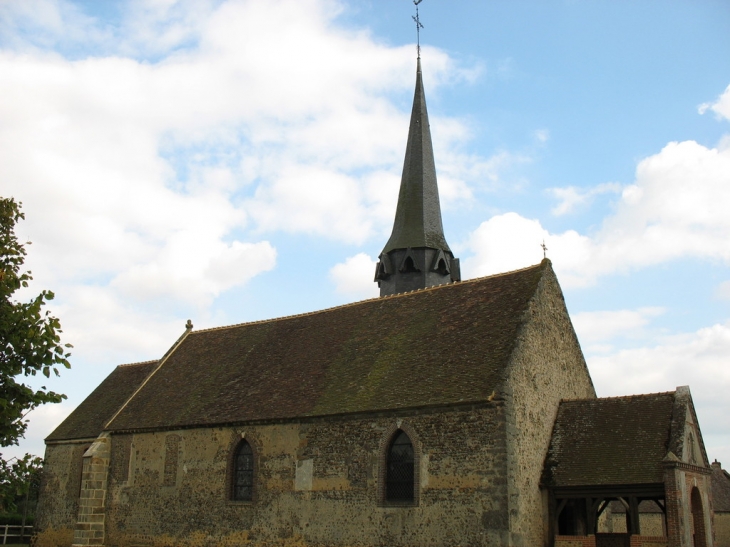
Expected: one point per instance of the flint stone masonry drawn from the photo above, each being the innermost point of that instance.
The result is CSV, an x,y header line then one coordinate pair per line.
x,y
547,365
319,480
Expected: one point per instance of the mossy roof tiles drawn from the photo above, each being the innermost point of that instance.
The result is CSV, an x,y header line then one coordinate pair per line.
x,y
610,441
89,418
438,346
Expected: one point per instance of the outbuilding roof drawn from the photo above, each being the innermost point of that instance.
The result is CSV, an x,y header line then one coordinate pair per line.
x,y
615,440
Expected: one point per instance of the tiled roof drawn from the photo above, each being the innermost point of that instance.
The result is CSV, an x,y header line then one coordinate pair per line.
x,y
720,489
443,345
89,418
610,441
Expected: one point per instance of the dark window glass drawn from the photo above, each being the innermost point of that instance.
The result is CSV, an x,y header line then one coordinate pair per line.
x,y
243,473
399,473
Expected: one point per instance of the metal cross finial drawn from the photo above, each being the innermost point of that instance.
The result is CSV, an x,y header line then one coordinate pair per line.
x,y
544,249
419,26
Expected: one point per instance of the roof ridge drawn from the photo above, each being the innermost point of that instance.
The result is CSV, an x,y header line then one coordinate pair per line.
x,y
159,362
635,395
138,363
376,298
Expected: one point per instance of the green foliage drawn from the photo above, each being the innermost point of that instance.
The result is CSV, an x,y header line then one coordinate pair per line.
x,y
19,481
29,336
30,343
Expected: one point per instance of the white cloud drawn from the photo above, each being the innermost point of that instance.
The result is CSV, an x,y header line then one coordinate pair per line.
x,y
723,290
721,106
509,241
596,328
162,24
354,277
542,135
572,197
677,207
106,329
192,269
314,201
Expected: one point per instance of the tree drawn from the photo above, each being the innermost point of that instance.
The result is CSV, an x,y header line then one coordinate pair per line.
x,y
30,343
18,479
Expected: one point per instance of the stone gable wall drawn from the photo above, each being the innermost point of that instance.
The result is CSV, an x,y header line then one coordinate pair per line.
x,y
316,483
547,366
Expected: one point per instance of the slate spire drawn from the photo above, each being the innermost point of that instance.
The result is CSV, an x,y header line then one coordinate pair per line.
x,y
417,256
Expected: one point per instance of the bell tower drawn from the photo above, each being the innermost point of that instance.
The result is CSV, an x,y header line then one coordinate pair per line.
x,y
417,256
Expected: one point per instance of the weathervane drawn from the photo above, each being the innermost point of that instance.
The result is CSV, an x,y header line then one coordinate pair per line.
x,y
419,26
544,249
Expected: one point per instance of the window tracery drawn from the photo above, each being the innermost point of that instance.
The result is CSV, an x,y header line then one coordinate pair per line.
x,y
243,472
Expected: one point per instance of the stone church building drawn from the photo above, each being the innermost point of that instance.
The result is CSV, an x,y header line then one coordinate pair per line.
x,y
443,413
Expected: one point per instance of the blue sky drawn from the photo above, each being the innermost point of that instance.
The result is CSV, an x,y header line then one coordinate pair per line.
x,y
231,161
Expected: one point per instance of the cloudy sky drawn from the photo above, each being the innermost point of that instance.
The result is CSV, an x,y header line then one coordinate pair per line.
x,y
228,161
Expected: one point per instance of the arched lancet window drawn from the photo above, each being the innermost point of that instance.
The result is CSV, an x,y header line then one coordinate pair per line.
x,y
243,473
400,471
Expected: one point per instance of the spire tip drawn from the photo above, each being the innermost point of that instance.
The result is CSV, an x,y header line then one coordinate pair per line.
x,y
419,26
